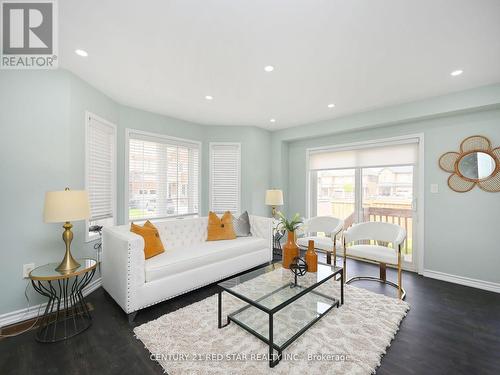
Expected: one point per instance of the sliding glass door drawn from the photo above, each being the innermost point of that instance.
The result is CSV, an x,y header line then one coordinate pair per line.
x,y
365,192
335,195
387,196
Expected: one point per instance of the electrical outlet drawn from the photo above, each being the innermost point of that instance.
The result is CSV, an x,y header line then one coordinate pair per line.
x,y
27,268
434,188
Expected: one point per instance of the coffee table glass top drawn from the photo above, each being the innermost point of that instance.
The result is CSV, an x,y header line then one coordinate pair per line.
x,y
273,287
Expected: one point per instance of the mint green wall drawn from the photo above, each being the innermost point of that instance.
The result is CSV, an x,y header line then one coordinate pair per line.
x,y
457,225
462,234
42,116
460,102
41,149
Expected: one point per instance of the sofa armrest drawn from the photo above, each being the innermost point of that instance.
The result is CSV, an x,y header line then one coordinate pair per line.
x,y
122,268
263,227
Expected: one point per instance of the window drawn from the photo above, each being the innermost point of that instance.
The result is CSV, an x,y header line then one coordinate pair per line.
x,y
163,176
225,172
100,179
372,182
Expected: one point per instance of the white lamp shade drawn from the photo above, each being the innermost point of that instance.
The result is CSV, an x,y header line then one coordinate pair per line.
x,y
67,205
274,198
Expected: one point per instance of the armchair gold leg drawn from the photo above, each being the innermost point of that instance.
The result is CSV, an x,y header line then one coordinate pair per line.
x,y
383,276
401,291
400,286
334,253
345,262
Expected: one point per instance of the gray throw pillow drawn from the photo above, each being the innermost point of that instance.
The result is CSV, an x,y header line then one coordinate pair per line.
x,y
241,225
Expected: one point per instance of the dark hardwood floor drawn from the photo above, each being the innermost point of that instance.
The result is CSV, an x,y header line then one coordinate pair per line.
x,y
450,329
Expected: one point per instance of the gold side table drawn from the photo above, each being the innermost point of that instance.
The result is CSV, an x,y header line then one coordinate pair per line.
x,y
66,313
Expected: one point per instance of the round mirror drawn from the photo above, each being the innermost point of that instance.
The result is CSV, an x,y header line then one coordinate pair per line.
x,y
476,165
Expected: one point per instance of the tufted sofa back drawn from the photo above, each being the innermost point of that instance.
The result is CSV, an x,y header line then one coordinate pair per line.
x,y
175,233
182,233
187,232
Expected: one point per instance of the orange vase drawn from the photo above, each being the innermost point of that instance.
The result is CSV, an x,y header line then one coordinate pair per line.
x,y
290,250
311,258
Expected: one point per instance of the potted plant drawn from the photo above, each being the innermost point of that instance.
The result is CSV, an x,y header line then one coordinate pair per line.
x,y
290,250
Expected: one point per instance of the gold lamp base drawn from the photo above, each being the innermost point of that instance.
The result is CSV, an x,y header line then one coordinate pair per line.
x,y
68,263
274,211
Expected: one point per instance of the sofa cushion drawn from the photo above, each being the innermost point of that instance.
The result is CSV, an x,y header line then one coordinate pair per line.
x,y
374,252
241,225
152,241
220,228
182,259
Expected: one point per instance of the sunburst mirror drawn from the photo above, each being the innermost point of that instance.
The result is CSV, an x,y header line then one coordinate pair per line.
x,y
476,163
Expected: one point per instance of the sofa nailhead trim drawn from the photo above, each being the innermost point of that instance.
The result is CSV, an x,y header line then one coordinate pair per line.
x,y
194,288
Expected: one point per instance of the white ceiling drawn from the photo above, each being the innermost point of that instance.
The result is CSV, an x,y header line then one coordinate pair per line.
x,y
165,56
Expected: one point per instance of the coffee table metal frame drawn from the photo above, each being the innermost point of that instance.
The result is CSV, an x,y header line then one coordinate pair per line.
x,y
274,360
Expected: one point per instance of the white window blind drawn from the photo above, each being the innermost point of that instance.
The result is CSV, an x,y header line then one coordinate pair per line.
x,y
163,177
101,166
373,156
225,174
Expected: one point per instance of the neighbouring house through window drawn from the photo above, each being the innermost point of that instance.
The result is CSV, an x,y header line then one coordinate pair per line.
x,y
163,176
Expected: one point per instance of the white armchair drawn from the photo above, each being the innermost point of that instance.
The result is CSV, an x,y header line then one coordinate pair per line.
x,y
382,234
328,244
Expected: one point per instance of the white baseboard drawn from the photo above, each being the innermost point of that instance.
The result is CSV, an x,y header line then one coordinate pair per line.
x,y
32,312
467,281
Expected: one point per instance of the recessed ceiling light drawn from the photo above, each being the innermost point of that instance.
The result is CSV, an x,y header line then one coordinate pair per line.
x,y
209,97
272,120
269,68
456,72
81,52
331,105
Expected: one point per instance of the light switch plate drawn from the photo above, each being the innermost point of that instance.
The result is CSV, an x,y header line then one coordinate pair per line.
x,y
434,188
27,268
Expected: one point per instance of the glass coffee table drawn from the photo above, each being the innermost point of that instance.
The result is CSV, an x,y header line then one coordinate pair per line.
x,y
279,307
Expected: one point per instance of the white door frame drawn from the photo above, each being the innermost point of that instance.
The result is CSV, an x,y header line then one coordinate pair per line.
x,y
419,184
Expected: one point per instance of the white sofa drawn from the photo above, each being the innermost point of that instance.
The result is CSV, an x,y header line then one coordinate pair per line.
x,y
189,261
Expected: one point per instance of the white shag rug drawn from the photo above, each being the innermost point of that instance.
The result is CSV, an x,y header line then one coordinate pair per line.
x,y
349,340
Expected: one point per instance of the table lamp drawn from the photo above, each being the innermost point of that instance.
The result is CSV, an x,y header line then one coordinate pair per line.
x,y
63,207
274,198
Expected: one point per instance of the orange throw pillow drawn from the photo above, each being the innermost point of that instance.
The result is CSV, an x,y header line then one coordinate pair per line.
x,y
152,241
220,229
